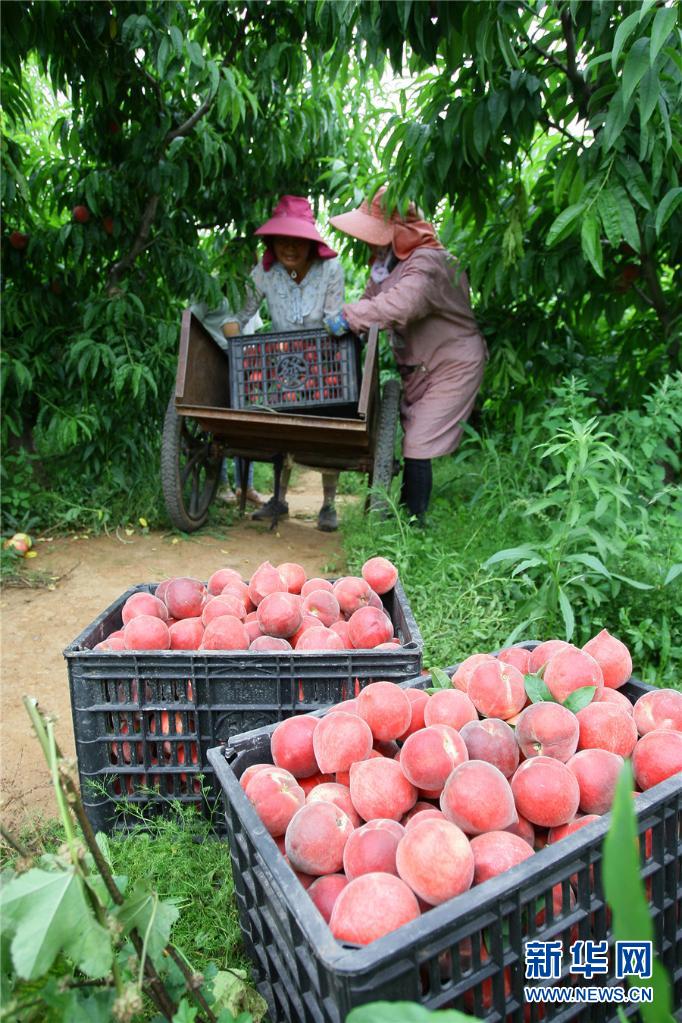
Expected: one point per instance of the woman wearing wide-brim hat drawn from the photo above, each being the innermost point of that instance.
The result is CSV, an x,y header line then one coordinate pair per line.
x,y
417,292
301,280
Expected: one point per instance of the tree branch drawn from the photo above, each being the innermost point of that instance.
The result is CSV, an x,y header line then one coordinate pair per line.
x,y
581,89
186,128
140,243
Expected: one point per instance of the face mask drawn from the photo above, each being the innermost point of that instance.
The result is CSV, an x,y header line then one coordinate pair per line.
x,y
380,267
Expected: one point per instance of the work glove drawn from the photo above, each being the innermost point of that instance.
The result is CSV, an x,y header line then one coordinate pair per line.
x,y
336,325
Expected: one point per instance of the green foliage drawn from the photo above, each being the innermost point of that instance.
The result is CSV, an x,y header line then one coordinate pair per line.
x,y
404,1012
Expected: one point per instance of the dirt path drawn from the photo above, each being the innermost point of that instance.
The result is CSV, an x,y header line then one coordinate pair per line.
x,y
37,624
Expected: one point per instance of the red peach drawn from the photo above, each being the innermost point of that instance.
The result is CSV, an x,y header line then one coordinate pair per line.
x,y
315,584
435,859
607,695
543,651
657,756
570,669
225,604
332,792
160,590
186,634
248,774
325,890
110,643
239,589
316,837
352,593
375,600
492,740
225,633
308,784
462,676
388,747
372,848
266,579
379,788
143,604
341,630
605,726
612,656
431,812
146,632
291,745
340,740
477,798
549,730
596,771
346,707
322,605
524,829
430,755
276,797
380,573
272,643
518,656
661,708
418,699
280,614
556,834
185,597
221,578
386,709
545,791
252,630
308,622
293,574
371,906
367,627
497,689
393,646
449,707
343,777
497,851
319,638
305,879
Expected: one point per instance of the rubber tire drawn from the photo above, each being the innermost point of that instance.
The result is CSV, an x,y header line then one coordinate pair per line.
x,y
171,451
384,467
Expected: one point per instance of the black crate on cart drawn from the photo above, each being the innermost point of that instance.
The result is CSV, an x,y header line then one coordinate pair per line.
x,y
144,721
293,371
465,954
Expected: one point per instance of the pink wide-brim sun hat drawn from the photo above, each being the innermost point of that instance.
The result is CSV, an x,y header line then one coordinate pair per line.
x,y
368,222
293,218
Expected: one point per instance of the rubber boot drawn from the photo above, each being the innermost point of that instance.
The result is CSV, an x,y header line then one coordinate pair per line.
x,y
415,492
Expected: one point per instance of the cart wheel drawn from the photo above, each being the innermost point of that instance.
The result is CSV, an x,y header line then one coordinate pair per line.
x,y
190,470
383,469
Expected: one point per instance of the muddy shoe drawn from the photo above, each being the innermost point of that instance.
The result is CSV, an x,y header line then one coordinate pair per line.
x,y
227,495
327,520
269,509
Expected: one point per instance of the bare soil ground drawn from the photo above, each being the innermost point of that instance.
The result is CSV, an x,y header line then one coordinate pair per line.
x,y
87,575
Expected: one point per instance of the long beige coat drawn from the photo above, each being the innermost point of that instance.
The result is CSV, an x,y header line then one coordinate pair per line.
x,y
439,349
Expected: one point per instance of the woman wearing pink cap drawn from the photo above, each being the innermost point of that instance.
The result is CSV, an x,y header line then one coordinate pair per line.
x,y
301,280
419,295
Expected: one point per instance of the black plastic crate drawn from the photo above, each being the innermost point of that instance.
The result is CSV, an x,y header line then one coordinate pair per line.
x,y
293,370
143,721
468,952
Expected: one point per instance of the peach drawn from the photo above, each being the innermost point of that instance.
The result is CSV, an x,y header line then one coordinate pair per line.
x,y
612,656
315,584
418,699
332,792
305,879
294,575
545,791
462,676
387,748
556,834
426,813
657,756
524,829
548,730
186,634
570,669
266,579
319,638
252,630
492,740
160,590
316,837
477,798
324,891
343,777
143,604
352,593
607,695
272,643
279,614
341,629
605,726
367,627
221,578
430,755
110,643
380,573
386,709
596,771
276,797
497,851
308,622
435,859
497,689
371,906
346,707
225,604
308,784
340,740
185,597
249,772
291,745
239,589
449,707
661,708
379,788
518,656
375,600
372,848
225,633
543,651
146,632
322,605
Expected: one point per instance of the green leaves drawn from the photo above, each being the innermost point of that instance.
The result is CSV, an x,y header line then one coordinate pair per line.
x,y
667,207
663,24
48,913
440,680
591,243
404,1012
580,698
152,918
564,224
635,67
537,691
625,29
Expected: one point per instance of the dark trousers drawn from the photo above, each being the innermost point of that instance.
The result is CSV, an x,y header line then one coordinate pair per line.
x,y
416,487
